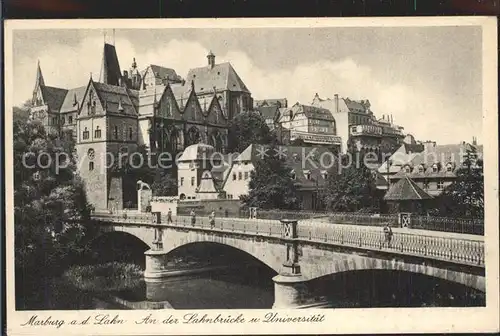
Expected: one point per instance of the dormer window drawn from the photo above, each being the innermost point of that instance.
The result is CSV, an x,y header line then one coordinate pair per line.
x,y
420,169
407,169
449,167
434,168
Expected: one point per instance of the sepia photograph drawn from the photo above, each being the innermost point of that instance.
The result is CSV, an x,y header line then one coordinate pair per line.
x,y
267,168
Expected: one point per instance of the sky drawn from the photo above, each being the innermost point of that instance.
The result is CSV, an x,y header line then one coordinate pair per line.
x,y
428,78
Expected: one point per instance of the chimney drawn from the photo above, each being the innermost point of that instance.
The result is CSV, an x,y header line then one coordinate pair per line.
x,y
336,97
474,141
392,122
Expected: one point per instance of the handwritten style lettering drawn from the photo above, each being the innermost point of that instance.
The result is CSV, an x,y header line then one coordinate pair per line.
x,y
35,321
194,318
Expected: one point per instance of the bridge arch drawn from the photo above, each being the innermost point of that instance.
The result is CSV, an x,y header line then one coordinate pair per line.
x,y
268,253
362,263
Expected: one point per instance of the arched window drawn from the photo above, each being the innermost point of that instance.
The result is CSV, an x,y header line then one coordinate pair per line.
x,y
194,136
192,181
130,133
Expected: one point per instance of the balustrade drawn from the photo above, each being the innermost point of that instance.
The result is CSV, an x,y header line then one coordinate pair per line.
x,y
453,249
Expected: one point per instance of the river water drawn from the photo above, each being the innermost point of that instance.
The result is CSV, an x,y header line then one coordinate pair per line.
x,y
251,287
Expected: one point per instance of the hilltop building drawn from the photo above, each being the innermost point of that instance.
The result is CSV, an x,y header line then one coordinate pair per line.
x,y
311,125
358,126
123,111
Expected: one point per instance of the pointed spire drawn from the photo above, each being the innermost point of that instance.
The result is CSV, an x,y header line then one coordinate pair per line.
x,y
39,77
205,105
110,67
192,84
134,64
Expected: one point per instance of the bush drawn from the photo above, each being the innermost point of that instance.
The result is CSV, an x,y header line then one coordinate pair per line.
x,y
113,276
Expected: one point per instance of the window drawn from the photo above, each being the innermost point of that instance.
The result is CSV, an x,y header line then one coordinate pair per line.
x,y
116,133
70,134
182,181
70,120
86,134
240,175
449,168
130,133
440,185
246,175
234,176
420,169
434,168
91,165
407,169
97,133
54,121
192,181
91,154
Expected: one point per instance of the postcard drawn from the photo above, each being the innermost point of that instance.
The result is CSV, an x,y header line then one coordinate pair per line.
x,y
232,176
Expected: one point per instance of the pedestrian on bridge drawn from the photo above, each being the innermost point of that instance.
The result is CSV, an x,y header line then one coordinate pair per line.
x,y
169,216
193,218
212,219
388,236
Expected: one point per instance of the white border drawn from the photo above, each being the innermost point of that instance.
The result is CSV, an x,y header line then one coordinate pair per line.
x,y
386,320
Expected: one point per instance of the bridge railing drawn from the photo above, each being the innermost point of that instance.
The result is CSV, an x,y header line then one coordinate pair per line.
x,y
258,227
453,249
126,217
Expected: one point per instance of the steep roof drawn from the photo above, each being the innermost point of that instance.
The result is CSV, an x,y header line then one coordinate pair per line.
x,y
405,190
53,96
73,96
207,184
222,76
164,73
269,112
110,68
197,152
312,112
113,96
280,102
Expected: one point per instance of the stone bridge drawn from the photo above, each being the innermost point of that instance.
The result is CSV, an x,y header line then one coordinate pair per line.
x,y
305,250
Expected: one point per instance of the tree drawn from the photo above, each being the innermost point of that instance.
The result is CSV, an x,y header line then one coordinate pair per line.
x,y
248,128
350,189
164,184
465,196
21,113
50,207
271,185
